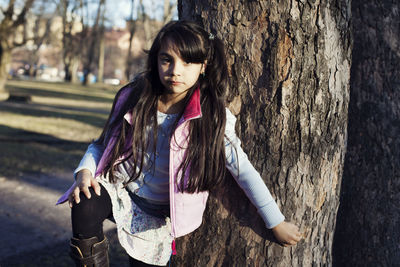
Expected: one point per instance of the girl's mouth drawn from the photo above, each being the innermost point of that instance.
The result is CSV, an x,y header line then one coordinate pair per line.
x,y
174,82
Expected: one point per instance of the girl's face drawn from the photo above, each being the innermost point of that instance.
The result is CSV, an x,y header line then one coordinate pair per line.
x,y
176,75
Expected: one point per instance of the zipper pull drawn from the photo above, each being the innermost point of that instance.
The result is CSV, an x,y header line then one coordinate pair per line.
x,y
173,247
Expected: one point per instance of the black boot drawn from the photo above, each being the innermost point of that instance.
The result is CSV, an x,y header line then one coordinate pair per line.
x,y
89,252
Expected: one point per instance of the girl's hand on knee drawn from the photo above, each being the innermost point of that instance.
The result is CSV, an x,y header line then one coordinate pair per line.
x,y
84,180
287,234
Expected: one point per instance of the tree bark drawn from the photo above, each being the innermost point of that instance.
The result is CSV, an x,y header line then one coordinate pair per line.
x,y
368,225
5,60
289,63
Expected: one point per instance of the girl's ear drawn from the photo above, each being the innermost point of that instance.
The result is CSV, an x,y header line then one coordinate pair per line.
x,y
203,67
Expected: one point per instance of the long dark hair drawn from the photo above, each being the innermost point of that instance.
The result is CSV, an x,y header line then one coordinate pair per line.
x,y
205,157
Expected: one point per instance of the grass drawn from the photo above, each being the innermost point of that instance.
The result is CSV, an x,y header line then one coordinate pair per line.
x,y
51,133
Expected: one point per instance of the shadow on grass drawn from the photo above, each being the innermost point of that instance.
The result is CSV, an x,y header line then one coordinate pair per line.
x,y
57,255
37,91
29,152
10,134
38,110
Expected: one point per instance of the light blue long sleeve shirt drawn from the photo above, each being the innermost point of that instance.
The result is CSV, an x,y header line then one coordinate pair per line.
x,y
237,163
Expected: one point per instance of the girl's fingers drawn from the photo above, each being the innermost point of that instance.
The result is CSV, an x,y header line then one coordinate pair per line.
x,y
96,187
70,200
289,243
294,239
73,197
297,238
76,195
85,190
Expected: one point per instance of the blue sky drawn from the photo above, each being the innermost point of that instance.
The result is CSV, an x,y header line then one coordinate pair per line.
x,y
154,8
117,10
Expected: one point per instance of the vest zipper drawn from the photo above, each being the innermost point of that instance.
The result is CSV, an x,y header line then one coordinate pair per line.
x,y
172,201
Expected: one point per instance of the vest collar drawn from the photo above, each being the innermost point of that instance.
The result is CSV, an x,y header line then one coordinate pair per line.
x,y
192,109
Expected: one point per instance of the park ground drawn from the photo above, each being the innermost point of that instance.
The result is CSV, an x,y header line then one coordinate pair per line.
x,y
41,142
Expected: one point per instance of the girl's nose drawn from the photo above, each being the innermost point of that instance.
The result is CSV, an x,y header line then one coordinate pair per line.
x,y
176,69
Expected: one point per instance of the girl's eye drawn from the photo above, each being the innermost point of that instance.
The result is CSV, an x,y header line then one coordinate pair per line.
x,y
165,60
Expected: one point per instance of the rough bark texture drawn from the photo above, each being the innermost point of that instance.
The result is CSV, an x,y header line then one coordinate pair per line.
x,y
290,68
368,225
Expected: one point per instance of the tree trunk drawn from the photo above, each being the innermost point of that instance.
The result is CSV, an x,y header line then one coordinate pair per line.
x,y
100,71
5,60
290,68
71,65
368,225
67,71
132,28
39,38
94,40
75,61
9,24
72,42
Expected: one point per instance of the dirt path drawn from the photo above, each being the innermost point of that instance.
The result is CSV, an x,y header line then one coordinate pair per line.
x,y
35,232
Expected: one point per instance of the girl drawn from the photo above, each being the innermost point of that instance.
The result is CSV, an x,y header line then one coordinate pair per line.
x,y
167,142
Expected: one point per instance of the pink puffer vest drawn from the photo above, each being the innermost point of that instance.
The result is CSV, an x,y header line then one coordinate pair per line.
x,y
186,208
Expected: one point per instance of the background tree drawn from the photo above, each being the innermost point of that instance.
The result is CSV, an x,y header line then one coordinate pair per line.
x,y
131,24
40,33
71,37
168,10
145,18
368,224
100,64
150,27
290,66
13,18
95,36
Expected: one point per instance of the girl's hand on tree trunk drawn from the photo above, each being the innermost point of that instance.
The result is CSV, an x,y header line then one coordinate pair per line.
x,y
287,234
84,180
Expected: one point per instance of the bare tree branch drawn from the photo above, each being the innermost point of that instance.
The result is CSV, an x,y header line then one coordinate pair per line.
x,y
10,10
168,10
22,16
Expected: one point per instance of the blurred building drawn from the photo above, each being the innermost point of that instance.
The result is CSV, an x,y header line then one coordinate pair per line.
x,y
45,60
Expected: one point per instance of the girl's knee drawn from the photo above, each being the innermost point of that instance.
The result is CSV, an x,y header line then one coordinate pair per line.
x,y
95,206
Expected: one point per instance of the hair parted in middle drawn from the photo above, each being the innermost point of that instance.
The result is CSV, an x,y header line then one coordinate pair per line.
x,y
205,157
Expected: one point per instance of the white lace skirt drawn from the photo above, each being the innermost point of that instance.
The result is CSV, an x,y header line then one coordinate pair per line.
x,y
144,237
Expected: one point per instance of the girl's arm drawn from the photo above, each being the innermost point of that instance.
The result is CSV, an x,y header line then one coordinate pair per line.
x,y
254,187
248,178
91,158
